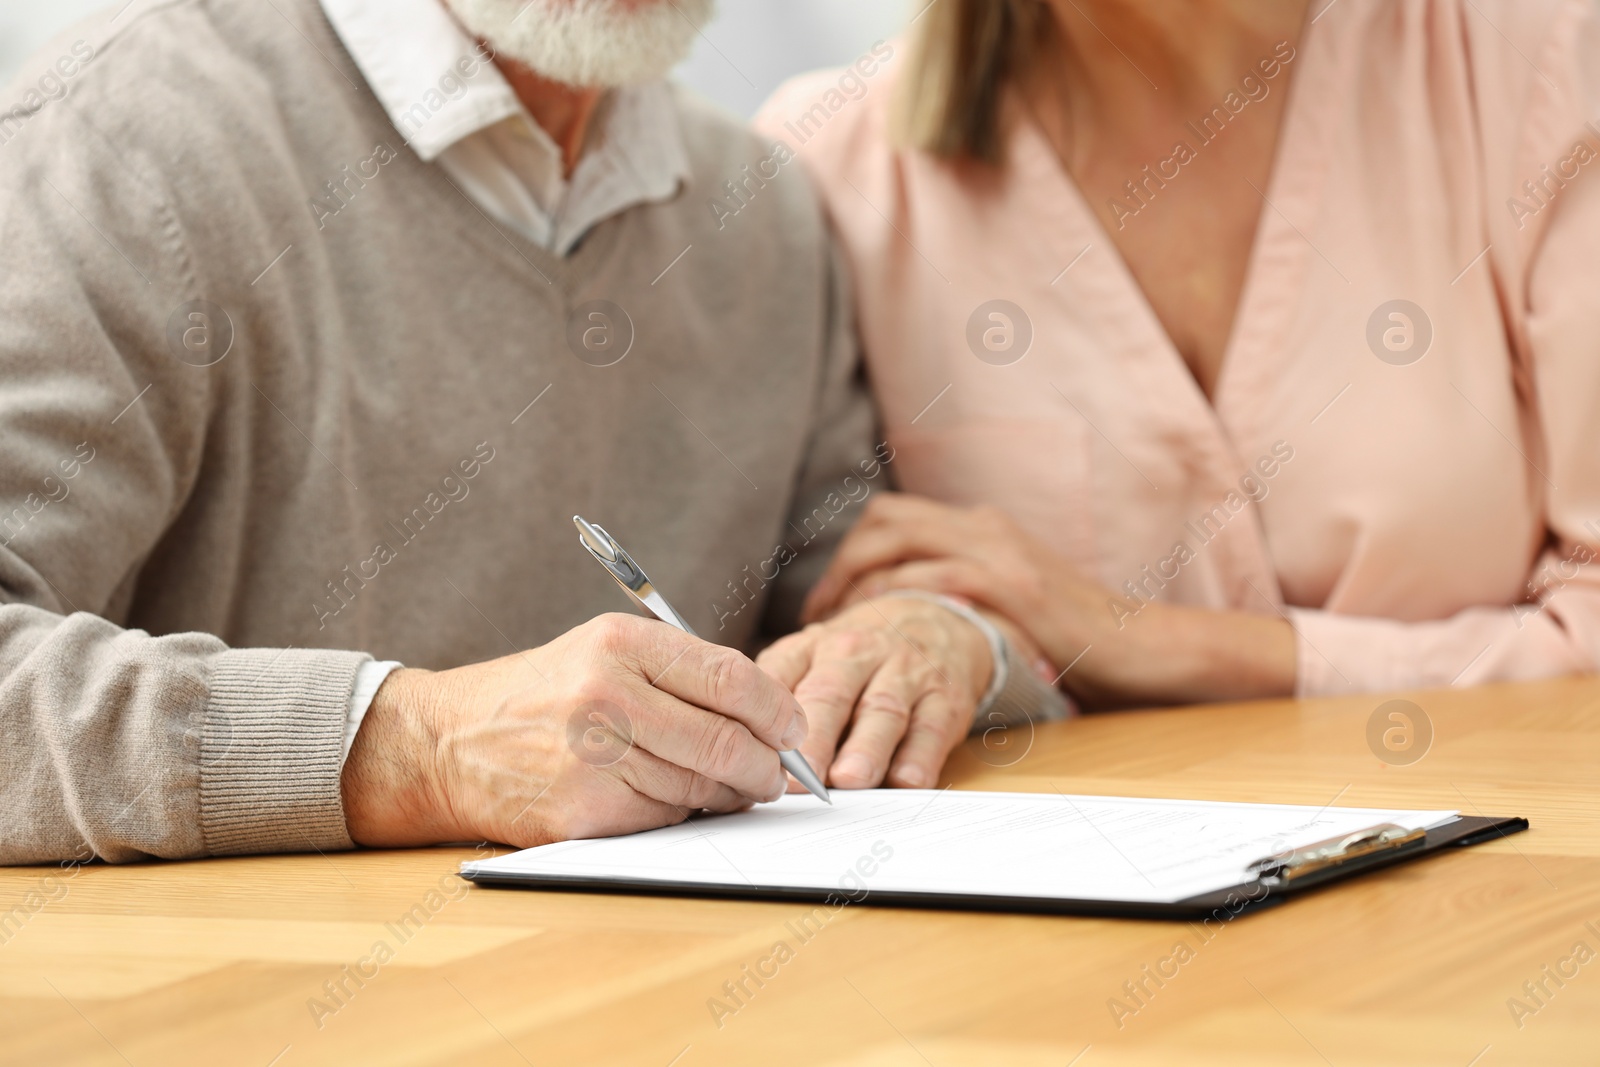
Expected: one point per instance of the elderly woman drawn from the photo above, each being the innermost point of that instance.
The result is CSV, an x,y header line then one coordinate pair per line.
x,y
1233,348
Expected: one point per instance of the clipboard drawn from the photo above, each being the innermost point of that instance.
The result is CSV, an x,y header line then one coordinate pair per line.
x,y
1329,862
1270,880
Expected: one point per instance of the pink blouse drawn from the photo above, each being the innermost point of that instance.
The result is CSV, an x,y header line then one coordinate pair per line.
x,y
1403,454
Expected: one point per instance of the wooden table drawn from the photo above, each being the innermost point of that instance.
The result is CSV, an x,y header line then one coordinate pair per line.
x,y
232,961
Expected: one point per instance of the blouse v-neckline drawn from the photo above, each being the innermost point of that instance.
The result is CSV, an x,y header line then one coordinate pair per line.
x,y
1279,259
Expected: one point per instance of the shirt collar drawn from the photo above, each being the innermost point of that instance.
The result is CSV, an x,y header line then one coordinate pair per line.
x,y
636,155
429,75
440,88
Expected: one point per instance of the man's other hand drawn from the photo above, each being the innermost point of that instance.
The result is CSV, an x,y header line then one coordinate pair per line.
x,y
889,687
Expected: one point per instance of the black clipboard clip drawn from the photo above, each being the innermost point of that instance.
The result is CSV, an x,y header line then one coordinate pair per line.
x,y
1385,839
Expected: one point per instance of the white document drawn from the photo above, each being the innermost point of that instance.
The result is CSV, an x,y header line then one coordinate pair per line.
x,y
1039,845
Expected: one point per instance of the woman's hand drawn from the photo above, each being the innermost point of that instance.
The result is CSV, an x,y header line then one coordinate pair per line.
x,y
1160,654
980,554
888,687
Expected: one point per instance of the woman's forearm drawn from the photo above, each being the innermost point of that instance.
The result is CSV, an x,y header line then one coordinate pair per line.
x,y
1172,654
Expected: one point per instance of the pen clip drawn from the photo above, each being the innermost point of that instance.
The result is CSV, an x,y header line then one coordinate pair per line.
x,y
612,556
1285,868
615,559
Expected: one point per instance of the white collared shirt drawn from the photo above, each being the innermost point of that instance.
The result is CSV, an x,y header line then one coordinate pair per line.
x,y
454,107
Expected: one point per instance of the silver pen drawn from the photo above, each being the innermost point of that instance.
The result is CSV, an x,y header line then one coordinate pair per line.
x,y
615,559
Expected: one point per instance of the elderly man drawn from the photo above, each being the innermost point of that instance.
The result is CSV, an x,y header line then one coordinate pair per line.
x,y
319,324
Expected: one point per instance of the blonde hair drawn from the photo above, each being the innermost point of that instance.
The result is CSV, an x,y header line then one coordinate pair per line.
x,y
964,55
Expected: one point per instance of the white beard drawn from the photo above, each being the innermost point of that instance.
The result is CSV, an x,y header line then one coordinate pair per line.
x,y
601,44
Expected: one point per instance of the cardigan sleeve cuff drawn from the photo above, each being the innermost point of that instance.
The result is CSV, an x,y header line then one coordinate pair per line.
x,y
1023,699
272,750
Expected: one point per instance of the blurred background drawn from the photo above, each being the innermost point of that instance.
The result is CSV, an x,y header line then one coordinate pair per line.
x,y
748,51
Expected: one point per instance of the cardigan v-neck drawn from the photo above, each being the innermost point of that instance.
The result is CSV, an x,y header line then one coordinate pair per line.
x,y
1423,514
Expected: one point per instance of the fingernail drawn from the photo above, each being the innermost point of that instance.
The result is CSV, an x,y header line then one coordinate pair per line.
x,y
795,734
911,777
855,767
1043,668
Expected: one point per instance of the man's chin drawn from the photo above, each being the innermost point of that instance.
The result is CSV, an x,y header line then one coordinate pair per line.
x,y
588,43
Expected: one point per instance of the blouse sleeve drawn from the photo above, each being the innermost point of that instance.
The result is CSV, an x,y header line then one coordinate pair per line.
x,y
1548,273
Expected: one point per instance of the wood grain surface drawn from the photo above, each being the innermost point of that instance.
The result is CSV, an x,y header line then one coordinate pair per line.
x,y
1486,957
